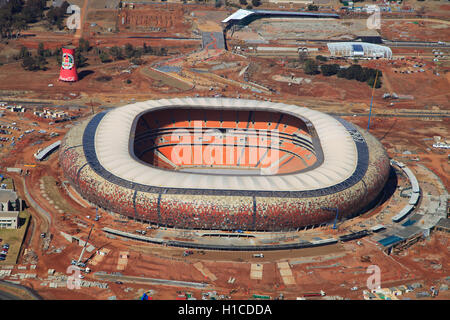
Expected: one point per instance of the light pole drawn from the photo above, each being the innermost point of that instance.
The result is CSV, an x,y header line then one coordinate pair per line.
x,y
371,100
337,213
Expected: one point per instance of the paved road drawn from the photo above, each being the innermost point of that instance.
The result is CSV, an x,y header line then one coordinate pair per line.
x,y
8,296
176,283
28,293
43,213
397,115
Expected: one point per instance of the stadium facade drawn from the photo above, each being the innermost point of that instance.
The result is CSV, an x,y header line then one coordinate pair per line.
x,y
125,161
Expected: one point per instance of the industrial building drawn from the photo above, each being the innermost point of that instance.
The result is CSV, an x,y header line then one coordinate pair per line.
x,y
443,225
359,49
9,209
9,220
242,15
44,153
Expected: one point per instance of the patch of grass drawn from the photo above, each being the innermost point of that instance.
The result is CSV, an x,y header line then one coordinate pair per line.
x,y
167,80
103,78
9,183
54,193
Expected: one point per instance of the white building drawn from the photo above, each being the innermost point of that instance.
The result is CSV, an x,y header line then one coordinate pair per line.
x,y
359,49
9,220
9,209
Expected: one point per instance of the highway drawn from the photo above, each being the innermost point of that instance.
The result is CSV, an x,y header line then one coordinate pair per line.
x,y
26,293
7,296
396,115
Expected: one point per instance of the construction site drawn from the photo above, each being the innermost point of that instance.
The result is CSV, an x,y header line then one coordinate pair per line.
x,y
405,233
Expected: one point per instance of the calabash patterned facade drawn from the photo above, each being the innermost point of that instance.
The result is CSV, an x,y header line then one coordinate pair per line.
x,y
222,209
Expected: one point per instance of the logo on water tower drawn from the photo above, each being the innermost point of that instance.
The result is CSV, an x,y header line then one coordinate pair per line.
x,y
67,61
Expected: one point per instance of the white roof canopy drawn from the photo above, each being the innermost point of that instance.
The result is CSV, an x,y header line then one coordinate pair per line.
x,y
112,144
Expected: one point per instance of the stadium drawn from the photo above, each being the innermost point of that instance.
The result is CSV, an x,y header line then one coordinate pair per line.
x,y
224,164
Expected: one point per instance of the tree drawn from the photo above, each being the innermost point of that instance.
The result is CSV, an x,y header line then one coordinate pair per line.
x,y
116,53
321,58
312,7
80,60
129,50
23,53
40,50
28,63
310,67
371,81
329,69
55,16
243,2
353,71
256,3
84,45
104,57
41,63
137,61
342,73
19,24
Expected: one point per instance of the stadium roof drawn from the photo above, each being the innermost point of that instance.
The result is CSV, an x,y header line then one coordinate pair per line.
x,y
115,132
243,13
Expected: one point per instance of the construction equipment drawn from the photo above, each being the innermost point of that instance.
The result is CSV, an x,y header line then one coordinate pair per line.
x,y
371,100
315,294
79,263
365,259
187,253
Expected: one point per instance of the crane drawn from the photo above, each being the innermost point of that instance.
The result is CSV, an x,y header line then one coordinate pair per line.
x,y
79,263
371,101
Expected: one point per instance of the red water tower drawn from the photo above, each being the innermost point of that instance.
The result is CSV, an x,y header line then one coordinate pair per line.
x,y
68,69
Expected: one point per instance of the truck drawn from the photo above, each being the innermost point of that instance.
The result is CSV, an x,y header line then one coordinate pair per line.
x,y
314,294
187,253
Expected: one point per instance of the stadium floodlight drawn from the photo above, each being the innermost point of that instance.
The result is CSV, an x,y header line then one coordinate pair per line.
x,y
337,213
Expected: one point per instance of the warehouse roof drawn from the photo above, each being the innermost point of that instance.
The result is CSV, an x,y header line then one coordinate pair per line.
x,y
242,13
7,195
46,151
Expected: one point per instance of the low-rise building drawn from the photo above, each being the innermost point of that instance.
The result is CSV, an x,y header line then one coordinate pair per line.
x,y
9,219
10,206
